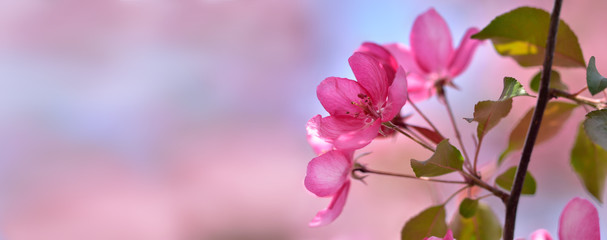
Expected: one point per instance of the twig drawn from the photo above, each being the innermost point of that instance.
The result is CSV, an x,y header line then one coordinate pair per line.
x,y
452,118
367,170
534,126
424,117
416,135
455,193
595,103
478,149
498,193
395,128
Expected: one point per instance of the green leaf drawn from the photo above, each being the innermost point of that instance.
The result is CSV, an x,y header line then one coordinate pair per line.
x,y
506,179
590,163
430,222
596,82
484,225
521,34
467,208
488,114
446,159
555,115
596,127
512,88
555,81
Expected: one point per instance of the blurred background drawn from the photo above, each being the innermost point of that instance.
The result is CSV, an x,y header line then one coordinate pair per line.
x,y
185,119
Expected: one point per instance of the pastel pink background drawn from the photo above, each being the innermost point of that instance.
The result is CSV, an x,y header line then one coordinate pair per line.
x,y
184,119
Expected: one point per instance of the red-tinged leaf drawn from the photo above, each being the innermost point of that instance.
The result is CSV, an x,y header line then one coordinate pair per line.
x,y
555,115
428,133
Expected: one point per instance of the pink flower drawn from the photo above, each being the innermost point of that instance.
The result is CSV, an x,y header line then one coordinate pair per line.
x,y
579,220
541,234
328,176
358,108
448,236
319,144
431,57
383,56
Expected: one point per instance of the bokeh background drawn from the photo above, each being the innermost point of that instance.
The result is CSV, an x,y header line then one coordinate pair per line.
x,y
185,119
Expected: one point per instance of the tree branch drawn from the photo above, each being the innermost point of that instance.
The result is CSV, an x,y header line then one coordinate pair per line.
x,y
534,126
595,103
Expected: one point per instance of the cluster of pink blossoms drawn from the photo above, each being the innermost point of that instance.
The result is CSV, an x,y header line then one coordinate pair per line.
x,y
386,76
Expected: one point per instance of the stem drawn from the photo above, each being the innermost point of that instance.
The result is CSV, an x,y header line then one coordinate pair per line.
x,y
595,103
498,193
455,193
416,135
424,117
484,196
534,126
478,149
395,128
452,118
367,170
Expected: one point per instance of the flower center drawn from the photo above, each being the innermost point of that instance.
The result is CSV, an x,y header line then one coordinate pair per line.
x,y
371,113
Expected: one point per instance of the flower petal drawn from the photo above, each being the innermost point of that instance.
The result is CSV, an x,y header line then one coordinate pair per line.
x,y
540,234
449,235
419,89
431,42
371,76
462,56
405,58
382,55
334,209
327,173
337,94
579,220
348,133
397,96
320,145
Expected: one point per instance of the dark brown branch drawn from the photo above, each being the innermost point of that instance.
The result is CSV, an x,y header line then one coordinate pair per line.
x,y
534,126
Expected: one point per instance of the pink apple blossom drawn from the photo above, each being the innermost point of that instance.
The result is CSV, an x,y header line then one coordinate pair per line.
x,y
319,144
448,236
431,57
358,108
381,54
328,176
541,234
579,220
